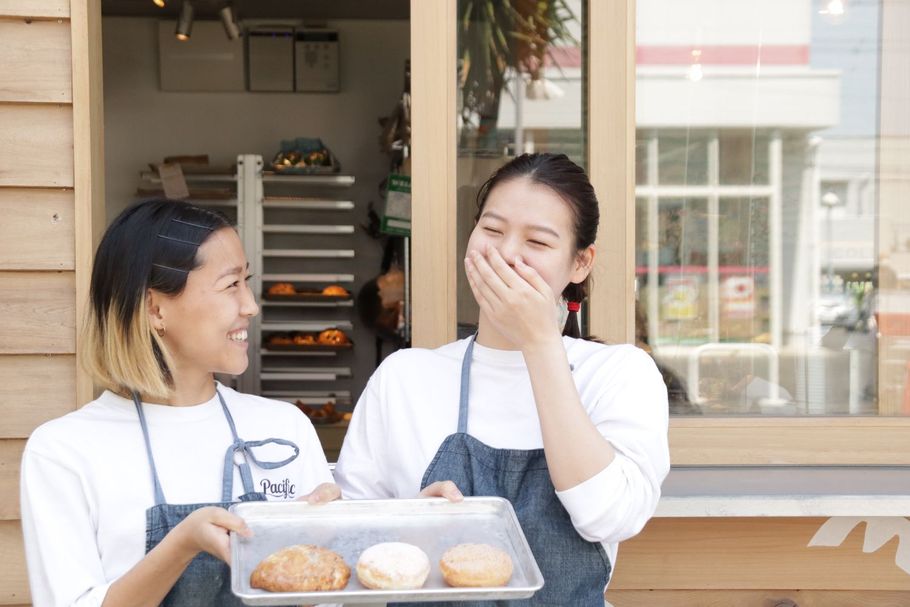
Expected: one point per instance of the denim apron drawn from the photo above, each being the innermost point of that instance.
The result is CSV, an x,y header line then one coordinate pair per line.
x,y
575,571
206,582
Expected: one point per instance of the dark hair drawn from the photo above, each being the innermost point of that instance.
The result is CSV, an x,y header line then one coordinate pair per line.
x,y
151,245
570,182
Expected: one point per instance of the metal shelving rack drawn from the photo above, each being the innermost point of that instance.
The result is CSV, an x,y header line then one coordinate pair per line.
x,y
279,246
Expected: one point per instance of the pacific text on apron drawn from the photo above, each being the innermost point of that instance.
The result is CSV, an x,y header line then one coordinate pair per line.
x,y
206,582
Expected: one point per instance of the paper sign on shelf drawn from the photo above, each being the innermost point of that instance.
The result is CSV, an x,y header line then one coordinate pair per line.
x,y
173,182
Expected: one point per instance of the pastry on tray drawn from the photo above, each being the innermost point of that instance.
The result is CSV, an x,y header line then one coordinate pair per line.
x,y
281,339
393,566
282,288
304,339
335,290
301,568
475,565
333,337
326,414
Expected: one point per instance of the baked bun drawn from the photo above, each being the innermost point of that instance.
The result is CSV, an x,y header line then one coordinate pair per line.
x,y
280,339
393,566
304,339
281,288
301,568
475,565
335,290
333,337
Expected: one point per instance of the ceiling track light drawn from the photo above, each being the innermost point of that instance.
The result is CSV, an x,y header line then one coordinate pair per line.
x,y
185,21
158,3
231,29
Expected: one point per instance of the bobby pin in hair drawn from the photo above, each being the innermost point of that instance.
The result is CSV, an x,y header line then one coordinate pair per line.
x,y
195,225
158,265
189,242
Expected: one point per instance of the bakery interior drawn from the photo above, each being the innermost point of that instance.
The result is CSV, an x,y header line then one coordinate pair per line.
x,y
318,93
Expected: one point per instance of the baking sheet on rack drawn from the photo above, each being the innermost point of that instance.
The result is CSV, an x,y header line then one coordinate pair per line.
x,y
351,526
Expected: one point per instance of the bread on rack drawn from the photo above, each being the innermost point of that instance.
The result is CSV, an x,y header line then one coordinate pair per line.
x,y
333,337
282,288
281,339
335,290
304,339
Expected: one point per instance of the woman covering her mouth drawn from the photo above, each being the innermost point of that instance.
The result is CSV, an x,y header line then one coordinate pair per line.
x,y
123,500
572,432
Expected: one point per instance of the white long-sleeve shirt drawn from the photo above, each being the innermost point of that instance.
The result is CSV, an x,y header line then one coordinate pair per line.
x,y
86,481
410,405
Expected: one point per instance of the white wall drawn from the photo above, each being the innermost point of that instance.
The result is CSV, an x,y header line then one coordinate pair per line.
x,y
143,124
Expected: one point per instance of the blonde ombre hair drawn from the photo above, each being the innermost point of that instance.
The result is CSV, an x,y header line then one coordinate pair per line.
x,y
152,245
124,358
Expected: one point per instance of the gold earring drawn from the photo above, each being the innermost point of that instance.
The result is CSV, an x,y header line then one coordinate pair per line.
x,y
160,332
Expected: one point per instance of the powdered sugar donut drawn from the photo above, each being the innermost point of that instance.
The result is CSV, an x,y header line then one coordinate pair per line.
x,y
393,566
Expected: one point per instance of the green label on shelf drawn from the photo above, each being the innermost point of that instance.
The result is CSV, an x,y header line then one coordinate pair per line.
x,y
397,217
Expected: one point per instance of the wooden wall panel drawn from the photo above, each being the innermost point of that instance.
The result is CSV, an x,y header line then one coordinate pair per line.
x,y
611,165
33,390
37,231
88,154
844,441
36,145
434,262
756,598
751,554
13,578
49,9
36,61
37,313
10,460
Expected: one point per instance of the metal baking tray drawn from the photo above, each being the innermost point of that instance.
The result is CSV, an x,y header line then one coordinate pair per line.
x,y
351,526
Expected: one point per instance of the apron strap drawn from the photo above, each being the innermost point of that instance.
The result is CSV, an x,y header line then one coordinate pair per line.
x,y
159,494
465,386
245,449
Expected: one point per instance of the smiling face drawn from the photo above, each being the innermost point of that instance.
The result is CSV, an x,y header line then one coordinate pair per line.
x,y
527,219
205,326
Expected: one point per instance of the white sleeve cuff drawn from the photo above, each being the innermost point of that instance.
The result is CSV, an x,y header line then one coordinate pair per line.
x,y
93,597
613,505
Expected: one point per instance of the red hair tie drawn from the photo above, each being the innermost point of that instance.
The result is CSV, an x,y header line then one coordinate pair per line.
x,y
574,306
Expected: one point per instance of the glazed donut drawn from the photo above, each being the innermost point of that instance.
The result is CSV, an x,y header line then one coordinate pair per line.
x,y
301,568
475,565
393,566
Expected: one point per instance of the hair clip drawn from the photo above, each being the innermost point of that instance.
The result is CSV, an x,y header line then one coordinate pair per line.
x,y
158,265
195,225
189,242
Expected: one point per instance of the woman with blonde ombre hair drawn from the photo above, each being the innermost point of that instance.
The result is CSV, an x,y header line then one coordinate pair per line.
x,y
123,500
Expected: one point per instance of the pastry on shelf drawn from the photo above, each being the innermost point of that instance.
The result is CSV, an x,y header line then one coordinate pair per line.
x,y
281,339
333,337
304,339
335,290
326,414
281,288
